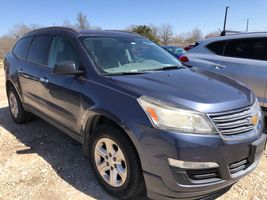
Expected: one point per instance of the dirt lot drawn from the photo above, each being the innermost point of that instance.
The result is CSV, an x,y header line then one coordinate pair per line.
x,y
39,162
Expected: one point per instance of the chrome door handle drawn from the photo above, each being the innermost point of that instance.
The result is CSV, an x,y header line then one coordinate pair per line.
x,y
44,80
218,66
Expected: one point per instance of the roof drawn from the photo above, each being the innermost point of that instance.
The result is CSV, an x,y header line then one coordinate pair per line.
x,y
51,29
83,33
107,33
235,36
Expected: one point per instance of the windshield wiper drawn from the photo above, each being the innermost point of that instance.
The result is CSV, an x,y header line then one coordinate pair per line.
x,y
167,68
144,71
126,73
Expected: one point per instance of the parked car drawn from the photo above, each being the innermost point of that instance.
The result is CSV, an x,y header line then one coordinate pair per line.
x,y
240,56
146,122
187,48
176,51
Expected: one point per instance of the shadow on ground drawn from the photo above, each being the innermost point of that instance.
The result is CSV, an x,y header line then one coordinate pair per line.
x,y
62,152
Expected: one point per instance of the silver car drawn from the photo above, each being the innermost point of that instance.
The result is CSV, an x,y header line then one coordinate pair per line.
x,y
240,56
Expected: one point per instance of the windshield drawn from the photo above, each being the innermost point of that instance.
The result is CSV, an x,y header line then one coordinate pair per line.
x,y
127,54
175,50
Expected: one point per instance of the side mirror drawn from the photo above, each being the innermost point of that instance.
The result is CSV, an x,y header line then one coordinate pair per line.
x,y
66,68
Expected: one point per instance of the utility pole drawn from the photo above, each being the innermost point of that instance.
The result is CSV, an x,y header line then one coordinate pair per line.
x,y
225,19
247,25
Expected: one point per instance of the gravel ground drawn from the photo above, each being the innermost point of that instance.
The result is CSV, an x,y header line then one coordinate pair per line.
x,y
37,161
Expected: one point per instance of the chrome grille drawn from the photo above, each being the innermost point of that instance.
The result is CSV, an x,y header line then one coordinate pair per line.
x,y
233,122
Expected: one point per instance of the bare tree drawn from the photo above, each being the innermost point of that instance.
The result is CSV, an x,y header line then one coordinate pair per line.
x,y
82,21
179,40
213,34
21,29
8,40
154,29
67,23
165,32
194,35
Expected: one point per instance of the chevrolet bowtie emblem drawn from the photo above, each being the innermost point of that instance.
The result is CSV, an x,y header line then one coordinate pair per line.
x,y
254,120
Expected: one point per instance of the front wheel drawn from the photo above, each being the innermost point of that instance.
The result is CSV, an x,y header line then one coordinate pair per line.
x,y
115,163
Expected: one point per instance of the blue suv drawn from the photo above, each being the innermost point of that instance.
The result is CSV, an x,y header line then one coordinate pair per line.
x,y
147,123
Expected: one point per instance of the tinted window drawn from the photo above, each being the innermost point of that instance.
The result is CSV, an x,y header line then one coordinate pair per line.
x,y
238,48
216,47
22,47
258,49
39,50
62,50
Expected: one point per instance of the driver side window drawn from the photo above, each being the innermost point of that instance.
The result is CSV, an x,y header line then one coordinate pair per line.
x,y
62,50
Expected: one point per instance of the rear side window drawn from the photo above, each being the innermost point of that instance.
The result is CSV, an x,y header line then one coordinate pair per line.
x,y
258,49
22,47
38,52
62,50
217,47
238,48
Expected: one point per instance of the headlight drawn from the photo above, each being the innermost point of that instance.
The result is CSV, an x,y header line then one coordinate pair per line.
x,y
170,118
257,116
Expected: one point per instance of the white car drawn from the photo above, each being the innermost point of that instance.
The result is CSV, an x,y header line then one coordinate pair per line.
x,y
240,56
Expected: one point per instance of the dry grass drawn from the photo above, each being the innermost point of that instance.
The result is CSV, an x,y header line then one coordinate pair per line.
x,y
1,64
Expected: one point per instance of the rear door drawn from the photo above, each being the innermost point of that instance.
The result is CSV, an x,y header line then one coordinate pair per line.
x,y
61,92
32,57
26,75
31,79
244,60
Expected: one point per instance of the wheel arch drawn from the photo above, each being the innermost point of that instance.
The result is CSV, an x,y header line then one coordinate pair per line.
x,y
91,122
9,84
100,118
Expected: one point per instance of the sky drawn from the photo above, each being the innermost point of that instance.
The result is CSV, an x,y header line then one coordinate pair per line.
x,y
184,15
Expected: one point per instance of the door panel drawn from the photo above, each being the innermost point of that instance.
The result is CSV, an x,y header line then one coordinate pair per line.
x,y
252,73
29,75
60,98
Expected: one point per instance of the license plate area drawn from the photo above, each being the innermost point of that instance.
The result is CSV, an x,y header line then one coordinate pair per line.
x,y
257,148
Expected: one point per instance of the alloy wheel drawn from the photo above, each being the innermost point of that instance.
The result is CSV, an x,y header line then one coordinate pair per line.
x,y
110,162
13,104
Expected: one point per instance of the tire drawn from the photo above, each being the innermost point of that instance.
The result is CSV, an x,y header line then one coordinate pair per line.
x,y
16,109
129,181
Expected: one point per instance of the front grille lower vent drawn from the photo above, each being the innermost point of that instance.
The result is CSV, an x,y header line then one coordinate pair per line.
x,y
238,166
203,174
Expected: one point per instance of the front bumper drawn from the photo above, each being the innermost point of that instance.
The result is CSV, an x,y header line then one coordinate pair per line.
x,y
154,146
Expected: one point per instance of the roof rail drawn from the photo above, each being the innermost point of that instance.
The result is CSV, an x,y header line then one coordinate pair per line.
x,y
226,32
123,31
240,32
52,28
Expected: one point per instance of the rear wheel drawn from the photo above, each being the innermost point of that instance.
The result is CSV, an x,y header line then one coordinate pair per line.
x,y
115,163
18,113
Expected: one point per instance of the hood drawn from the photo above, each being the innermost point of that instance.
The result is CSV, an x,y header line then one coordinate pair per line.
x,y
194,89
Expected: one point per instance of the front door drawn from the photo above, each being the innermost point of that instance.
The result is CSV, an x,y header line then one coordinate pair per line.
x,y
60,91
